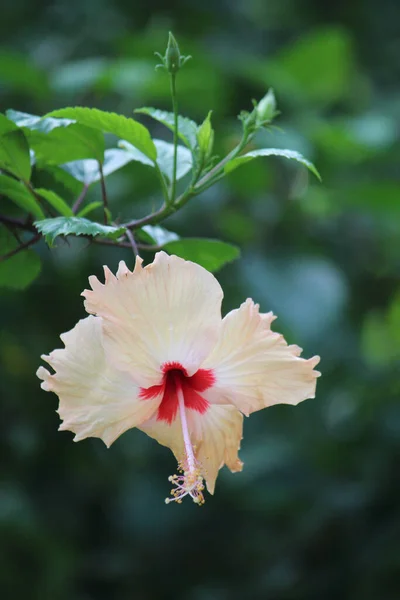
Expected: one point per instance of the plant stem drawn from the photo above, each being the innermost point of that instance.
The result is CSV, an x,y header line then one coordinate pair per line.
x,y
30,242
103,193
80,199
13,222
175,111
132,242
205,182
208,179
163,183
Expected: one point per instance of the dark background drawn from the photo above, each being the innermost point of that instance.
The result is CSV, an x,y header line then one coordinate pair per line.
x,y
315,514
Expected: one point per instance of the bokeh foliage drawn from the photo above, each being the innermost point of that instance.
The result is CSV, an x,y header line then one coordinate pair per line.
x,y
315,514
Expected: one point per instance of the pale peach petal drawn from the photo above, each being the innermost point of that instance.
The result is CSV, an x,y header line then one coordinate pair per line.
x,y
96,400
169,311
215,436
254,367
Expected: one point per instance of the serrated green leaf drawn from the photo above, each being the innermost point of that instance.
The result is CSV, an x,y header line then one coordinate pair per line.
x,y
87,171
18,271
290,154
18,193
14,154
210,254
165,157
52,228
187,129
156,235
89,208
56,202
108,122
65,144
35,123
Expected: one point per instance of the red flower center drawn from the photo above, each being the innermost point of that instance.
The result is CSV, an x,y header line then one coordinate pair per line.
x,y
173,374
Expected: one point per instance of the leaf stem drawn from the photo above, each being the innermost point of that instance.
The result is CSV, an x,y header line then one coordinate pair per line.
x,y
175,111
163,182
80,199
205,182
103,193
132,242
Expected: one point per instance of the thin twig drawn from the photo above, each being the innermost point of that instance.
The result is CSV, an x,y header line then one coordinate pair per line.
x,y
152,218
130,237
103,193
30,242
13,222
80,199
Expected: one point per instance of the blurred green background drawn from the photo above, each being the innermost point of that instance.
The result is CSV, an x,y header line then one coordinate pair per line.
x,y
315,515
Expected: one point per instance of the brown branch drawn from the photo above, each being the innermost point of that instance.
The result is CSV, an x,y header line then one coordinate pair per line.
x,y
80,199
131,239
13,222
30,242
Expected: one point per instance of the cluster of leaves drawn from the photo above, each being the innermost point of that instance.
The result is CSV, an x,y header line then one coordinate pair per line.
x,y
70,145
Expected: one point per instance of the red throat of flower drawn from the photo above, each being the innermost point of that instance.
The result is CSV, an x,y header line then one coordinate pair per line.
x,y
174,375
179,393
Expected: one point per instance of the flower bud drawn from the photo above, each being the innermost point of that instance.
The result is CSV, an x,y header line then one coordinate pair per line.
x,y
172,55
173,60
266,108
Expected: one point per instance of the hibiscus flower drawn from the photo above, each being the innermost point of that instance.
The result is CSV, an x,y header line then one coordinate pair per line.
x,y
158,356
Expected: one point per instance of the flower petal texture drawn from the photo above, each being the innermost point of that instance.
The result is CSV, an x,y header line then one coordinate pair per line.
x,y
254,367
96,400
215,435
168,311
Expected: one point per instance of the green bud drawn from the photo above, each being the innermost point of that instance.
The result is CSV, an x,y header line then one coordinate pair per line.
x,y
266,108
172,55
205,137
173,60
249,120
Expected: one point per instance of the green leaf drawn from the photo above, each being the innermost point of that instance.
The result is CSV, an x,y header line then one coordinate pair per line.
x,y
210,254
18,193
187,129
56,202
65,144
156,235
14,154
6,125
165,157
89,208
18,271
290,154
87,171
52,228
108,122
35,123
73,186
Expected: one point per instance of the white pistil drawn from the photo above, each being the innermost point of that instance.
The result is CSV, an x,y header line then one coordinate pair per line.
x,y
190,482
